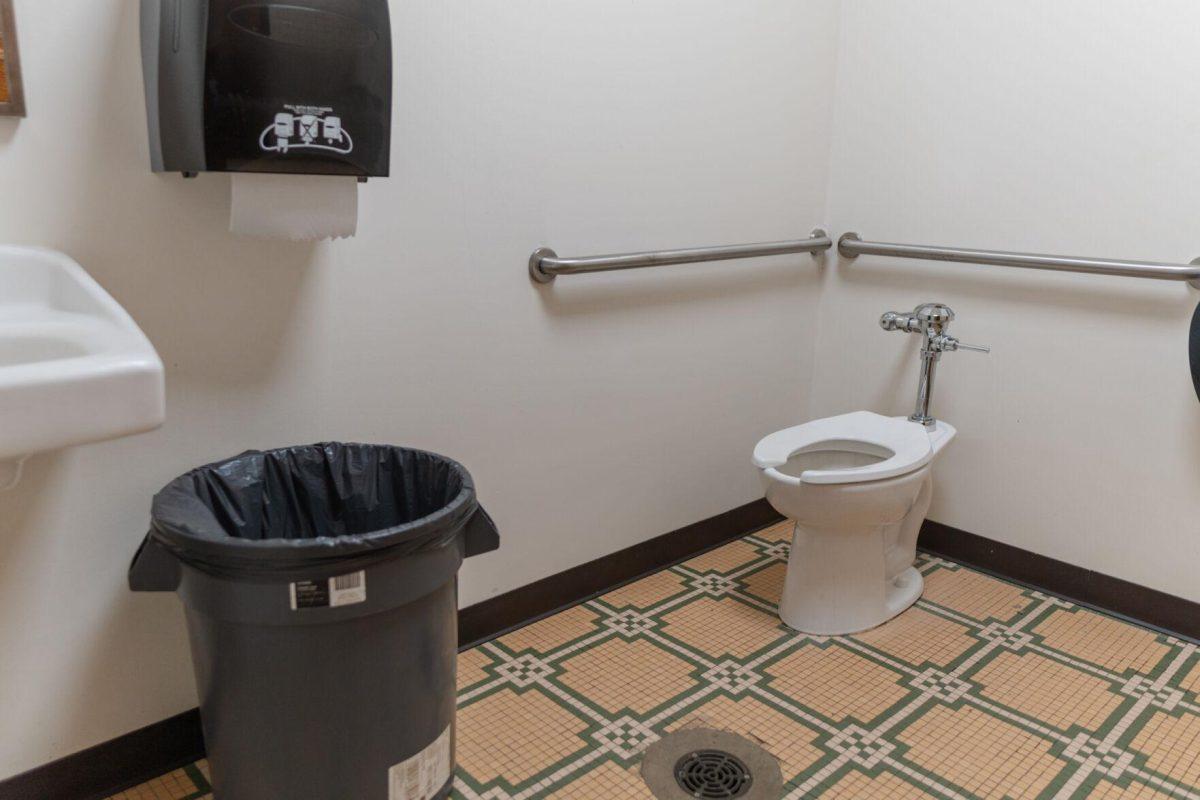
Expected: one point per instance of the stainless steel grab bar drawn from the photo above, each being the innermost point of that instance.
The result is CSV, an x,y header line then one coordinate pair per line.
x,y
545,264
851,245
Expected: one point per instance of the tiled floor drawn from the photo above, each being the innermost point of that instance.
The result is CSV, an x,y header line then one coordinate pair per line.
x,y
983,690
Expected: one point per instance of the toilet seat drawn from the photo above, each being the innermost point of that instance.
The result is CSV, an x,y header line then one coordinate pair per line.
x,y
912,446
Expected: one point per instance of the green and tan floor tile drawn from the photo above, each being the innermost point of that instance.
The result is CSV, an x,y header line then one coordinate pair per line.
x,y
984,689
189,783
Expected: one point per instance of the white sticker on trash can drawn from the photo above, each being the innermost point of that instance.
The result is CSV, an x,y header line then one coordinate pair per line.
x,y
342,590
420,777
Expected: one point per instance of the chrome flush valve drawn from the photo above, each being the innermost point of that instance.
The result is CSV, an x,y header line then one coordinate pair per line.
x,y
898,321
931,320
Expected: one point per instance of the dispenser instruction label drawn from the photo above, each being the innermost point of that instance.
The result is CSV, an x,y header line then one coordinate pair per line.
x,y
420,777
306,128
342,590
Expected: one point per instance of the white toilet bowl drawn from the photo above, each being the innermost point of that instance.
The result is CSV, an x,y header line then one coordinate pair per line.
x,y
857,487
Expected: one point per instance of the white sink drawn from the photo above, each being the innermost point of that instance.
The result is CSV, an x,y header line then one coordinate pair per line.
x,y
74,367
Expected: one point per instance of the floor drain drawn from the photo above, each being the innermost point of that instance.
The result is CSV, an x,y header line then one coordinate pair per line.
x,y
712,775
697,763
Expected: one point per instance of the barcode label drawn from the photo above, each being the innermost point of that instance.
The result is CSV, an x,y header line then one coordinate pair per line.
x,y
425,774
346,590
341,590
343,582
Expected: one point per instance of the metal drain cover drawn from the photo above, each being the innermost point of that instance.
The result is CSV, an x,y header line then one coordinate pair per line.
x,y
713,775
708,764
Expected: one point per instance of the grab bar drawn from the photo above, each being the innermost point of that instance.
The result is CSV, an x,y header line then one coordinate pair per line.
x,y
851,245
545,264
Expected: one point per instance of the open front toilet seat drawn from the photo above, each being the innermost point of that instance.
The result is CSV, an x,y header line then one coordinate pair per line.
x,y
857,487
904,446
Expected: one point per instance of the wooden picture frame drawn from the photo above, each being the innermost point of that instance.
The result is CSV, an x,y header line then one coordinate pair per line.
x,y
12,94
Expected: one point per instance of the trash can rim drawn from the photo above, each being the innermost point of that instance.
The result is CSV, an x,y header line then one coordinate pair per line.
x,y
458,509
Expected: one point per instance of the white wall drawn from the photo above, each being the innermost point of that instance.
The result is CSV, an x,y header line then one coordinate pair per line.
x,y
595,414
1065,127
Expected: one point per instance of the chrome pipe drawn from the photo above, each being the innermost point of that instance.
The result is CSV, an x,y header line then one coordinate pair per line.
x,y
929,362
851,245
545,265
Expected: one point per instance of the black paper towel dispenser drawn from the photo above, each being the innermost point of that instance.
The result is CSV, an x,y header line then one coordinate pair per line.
x,y
303,86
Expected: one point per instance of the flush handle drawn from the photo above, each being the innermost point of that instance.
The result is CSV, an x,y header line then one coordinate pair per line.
x,y
948,344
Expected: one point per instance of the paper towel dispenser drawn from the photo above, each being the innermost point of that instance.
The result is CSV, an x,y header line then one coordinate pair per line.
x,y
303,86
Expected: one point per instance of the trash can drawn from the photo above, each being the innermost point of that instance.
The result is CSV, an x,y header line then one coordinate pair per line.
x,y
319,585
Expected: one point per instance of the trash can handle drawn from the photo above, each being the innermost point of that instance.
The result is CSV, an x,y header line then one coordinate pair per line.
x,y
481,535
154,568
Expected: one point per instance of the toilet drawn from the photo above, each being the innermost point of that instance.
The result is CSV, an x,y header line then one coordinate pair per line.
x,y
857,487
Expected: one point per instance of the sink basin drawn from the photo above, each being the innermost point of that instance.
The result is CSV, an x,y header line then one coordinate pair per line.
x,y
74,367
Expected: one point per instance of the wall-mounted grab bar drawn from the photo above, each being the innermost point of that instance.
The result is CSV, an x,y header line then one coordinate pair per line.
x,y
545,264
852,246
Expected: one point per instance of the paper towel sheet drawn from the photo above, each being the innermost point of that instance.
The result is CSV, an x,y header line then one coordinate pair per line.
x,y
296,207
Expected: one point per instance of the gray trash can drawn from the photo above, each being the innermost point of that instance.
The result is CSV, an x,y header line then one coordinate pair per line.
x,y
319,585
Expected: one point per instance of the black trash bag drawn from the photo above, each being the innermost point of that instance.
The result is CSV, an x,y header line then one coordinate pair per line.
x,y
1194,350
298,508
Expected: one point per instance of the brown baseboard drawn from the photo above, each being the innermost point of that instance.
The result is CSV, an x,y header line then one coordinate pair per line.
x,y
500,614
1114,596
113,766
